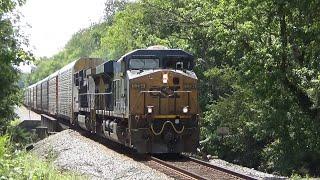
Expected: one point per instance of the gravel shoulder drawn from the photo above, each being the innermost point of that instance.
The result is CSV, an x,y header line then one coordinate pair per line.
x,y
71,151
244,170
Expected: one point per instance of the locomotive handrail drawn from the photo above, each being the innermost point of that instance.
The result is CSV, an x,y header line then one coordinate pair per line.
x,y
161,91
97,97
182,91
94,93
150,91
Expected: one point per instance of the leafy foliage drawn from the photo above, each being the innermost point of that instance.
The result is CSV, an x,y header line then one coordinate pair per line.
x,y
11,53
19,137
22,165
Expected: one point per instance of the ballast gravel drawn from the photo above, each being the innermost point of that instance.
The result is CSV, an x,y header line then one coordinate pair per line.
x,y
73,152
244,170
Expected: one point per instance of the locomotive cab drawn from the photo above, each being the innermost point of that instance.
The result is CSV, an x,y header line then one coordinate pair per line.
x,y
162,101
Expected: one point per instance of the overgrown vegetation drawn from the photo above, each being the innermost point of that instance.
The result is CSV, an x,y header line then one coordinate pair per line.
x,y
21,165
11,54
14,162
257,63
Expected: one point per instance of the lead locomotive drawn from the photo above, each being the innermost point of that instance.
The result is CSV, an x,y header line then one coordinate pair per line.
x,y
147,100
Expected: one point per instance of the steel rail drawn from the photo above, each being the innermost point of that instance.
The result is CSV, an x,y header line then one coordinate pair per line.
x,y
228,171
177,169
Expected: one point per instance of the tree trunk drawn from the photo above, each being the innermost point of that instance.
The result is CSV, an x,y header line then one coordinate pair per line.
x,y
304,100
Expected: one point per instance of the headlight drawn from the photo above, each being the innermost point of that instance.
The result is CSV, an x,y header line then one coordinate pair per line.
x,y
165,78
185,109
149,109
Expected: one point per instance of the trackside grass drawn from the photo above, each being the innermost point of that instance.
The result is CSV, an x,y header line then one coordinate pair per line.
x,y
16,164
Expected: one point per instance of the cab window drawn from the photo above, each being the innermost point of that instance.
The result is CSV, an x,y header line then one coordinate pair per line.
x,y
177,63
144,63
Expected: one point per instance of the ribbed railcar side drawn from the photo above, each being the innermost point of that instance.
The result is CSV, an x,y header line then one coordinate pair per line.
x,y
34,104
44,95
65,93
25,101
38,91
28,97
53,93
31,97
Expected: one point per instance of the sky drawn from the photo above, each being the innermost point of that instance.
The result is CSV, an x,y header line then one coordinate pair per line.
x,y
49,24
54,21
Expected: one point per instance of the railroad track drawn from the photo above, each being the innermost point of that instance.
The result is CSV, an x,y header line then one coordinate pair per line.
x,y
178,167
185,167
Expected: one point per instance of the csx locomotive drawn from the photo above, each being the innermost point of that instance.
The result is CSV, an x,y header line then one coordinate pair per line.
x,y
146,100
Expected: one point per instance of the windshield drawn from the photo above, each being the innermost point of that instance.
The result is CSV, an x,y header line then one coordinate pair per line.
x,y
144,64
177,63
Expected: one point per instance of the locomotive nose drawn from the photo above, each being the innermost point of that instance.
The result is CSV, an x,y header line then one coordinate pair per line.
x,y
168,92
166,101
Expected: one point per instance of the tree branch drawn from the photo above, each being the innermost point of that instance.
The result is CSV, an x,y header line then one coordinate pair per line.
x,y
304,100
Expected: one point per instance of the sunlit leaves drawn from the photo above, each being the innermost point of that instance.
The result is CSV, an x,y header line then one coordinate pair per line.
x,y
11,54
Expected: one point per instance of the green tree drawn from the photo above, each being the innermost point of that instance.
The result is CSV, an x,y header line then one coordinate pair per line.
x,y
11,54
113,6
270,98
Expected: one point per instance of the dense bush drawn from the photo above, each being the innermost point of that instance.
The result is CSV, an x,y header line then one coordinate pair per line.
x,y
11,53
19,137
22,165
